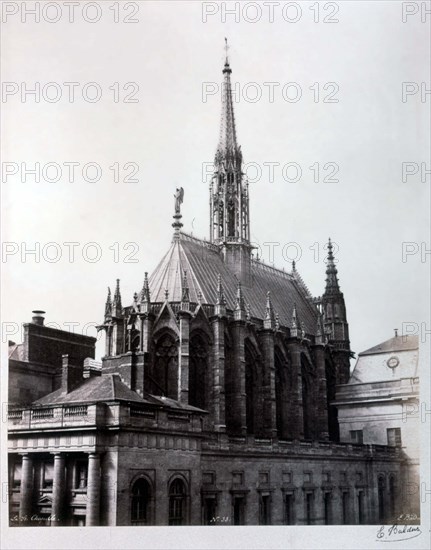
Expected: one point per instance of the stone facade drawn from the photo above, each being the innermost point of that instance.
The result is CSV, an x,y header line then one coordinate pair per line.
x,y
214,402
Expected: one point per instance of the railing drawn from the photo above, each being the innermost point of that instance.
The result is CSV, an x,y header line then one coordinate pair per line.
x,y
77,410
138,412
14,415
42,413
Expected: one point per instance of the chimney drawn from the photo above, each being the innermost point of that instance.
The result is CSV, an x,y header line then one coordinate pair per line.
x,y
38,317
396,332
71,375
91,368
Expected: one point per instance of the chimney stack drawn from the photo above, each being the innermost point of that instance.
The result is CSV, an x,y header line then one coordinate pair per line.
x,y
396,332
38,317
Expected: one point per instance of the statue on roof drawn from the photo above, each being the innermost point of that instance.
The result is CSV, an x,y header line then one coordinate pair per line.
x,y
179,197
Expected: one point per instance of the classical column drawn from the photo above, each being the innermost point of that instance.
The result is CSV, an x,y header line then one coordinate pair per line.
x,y
93,490
26,492
58,489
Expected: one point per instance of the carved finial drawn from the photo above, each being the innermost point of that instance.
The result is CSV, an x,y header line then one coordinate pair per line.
x,y
185,296
117,307
332,286
166,295
320,340
239,313
199,297
277,322
248,311
294,323
239,297
293,265
269,321
108,305
145,292
220,292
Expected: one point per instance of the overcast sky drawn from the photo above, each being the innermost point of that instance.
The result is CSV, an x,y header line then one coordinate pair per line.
x,y
173,56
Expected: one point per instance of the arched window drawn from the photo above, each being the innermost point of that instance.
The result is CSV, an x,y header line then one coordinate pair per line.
x,y
381,495
164,377
198,372
141,498
282,387
177,503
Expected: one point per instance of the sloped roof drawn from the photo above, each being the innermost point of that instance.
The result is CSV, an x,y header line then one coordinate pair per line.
x,y
397,343
203,263
107,387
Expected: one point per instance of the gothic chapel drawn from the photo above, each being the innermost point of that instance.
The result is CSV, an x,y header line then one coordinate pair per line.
x,y
214,400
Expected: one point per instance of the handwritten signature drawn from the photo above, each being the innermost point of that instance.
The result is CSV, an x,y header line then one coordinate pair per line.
x,y
397,532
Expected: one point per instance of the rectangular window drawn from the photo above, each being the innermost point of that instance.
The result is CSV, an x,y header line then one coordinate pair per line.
x,y
16,482
345,504
81,475
210,510
237,478
394,437
327,507
360,508
48,475
238,510
308,508
265,515
288,509
356,436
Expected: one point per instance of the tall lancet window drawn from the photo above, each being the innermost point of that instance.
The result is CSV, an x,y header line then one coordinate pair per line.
x,y
163,379
282,389
307,397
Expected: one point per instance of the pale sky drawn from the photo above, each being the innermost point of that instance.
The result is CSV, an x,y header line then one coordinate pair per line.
x,y
173,55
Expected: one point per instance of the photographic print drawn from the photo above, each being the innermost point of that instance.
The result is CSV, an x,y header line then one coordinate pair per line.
x,y
215,274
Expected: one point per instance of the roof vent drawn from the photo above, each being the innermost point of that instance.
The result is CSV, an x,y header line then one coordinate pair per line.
x,y
38,317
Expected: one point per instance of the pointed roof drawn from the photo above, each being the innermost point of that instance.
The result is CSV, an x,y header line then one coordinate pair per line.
x,y
228,149
203,263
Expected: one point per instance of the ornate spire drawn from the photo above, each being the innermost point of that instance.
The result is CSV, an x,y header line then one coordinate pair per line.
x,y
108,306
228,153
269,321
117,307
332,285
294,323
229,199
